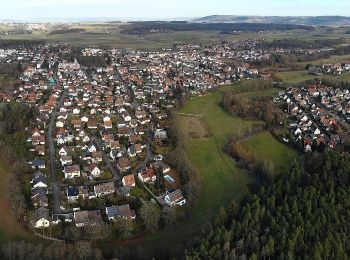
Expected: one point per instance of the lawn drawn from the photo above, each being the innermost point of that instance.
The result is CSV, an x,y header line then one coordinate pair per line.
x,y
265,149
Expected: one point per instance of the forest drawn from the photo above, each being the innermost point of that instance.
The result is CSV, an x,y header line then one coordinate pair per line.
x,y
303,214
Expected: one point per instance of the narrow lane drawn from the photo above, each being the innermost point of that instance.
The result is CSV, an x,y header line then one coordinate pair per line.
x,y
54,179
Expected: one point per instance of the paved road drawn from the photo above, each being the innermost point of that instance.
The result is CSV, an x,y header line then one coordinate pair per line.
x,y
54,180
114,170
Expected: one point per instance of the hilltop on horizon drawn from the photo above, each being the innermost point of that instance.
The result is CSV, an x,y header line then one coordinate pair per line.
x,y
303,20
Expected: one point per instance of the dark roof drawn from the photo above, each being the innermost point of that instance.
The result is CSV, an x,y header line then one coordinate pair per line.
x,y
38,162
40,213
72,191
40,178
37,174
39,190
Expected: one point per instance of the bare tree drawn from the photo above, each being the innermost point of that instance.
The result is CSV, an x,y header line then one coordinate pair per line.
x,y
168,216
124,228
83,249
150,215
98,231
15,195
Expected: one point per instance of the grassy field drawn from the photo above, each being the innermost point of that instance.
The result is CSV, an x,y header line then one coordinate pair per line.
x,y
295,77
261,93
332,59
9,228
265,149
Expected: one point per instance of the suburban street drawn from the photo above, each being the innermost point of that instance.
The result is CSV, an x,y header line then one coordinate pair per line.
x,y
54,179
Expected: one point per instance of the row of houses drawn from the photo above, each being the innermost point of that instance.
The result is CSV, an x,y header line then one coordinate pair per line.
x,y
313,120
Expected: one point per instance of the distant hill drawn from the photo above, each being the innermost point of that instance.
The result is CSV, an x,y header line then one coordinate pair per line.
x,y
304,20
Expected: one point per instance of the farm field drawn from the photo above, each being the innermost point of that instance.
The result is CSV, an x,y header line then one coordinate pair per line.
x,y
109,35
265,149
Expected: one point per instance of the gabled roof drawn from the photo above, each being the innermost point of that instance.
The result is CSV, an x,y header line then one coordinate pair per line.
x,y
40,178
129,180
104,187
175,196
40,213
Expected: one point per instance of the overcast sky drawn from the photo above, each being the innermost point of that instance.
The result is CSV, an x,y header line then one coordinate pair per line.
x,y
157,9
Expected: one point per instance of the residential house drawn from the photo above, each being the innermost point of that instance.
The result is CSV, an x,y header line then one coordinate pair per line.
x,y
92,148
94,170
40,218
40,181
40,200
129,180
66,160
84,218
104,189
72,193
147,176
124,164
97,157
174,198
37,164
71,171
122,211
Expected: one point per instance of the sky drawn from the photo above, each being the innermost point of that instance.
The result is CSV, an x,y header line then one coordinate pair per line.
x,y
166,9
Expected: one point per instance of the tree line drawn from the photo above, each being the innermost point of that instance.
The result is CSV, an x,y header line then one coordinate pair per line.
x,y
160,26
252,108
255,108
